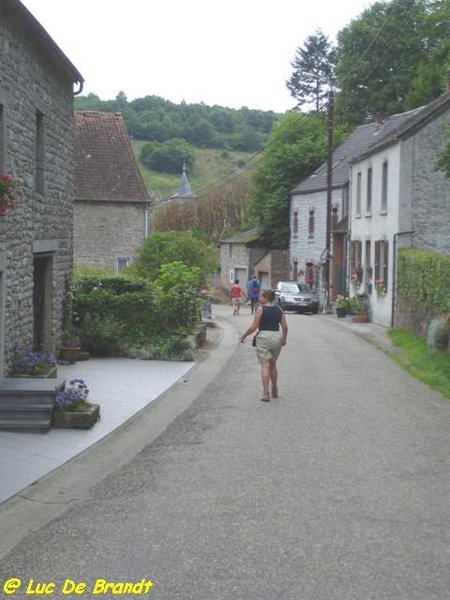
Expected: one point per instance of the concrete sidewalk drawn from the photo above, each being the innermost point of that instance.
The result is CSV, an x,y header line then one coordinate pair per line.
x,y
123,387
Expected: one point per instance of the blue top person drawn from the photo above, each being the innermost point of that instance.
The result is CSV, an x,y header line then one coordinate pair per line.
x,y
254,289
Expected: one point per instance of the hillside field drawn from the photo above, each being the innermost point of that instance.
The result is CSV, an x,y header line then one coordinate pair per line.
x,y
212,169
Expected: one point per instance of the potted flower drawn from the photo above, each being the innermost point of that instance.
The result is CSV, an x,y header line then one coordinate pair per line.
x,y
9,192
342,306
380,286
362,307
28,362
69,346
73,407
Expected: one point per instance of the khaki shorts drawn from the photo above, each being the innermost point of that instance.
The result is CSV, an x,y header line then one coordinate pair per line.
x,y
268,345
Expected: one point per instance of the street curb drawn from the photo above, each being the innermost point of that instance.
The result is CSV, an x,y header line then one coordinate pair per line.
x,y
70,483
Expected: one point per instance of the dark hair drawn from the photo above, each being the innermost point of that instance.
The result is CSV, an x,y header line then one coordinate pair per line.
x,y
269,294
236,281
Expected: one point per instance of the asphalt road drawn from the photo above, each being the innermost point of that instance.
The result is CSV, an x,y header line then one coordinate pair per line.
x,y
337,490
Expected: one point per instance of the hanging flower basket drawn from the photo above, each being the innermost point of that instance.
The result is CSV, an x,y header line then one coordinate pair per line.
x,y
9,193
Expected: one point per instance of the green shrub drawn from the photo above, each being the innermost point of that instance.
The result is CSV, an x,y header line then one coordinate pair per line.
x,y
438,335
425,276
117,313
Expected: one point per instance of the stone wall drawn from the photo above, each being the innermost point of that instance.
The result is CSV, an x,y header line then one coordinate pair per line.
x,y
107,231
430,190
33,81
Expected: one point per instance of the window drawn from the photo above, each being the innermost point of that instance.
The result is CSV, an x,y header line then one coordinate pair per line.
x,y
40,153
358,194
122,263
369,192
368,267
356,262
384,187
2,139
295,223
381,266
311,224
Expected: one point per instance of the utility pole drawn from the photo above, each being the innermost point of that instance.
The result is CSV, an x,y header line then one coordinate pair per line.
x,y
327,265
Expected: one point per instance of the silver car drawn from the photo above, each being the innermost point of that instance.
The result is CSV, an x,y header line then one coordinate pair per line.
x,y
295,295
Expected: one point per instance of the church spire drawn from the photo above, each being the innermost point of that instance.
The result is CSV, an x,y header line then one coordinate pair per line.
x,y
184,189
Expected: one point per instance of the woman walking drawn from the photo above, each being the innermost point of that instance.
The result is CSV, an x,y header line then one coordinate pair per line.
x,y
269,340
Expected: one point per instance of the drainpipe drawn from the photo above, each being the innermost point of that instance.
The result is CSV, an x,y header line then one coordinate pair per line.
x,y
394,272
147,215
80,88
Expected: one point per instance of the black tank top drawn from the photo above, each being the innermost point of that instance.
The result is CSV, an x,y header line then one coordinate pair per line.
x,y
270,318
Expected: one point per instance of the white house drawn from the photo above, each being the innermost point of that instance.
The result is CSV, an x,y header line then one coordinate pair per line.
x,y
398,199
308,208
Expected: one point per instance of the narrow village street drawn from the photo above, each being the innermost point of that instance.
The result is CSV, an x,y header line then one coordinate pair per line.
x,y
337,490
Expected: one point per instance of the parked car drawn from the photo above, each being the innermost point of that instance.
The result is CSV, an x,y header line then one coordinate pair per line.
x,y
295,295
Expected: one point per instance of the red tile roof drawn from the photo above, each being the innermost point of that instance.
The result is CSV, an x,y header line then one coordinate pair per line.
x,y
105,166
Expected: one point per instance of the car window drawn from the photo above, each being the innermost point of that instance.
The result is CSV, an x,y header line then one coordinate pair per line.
x,y
303,287
290,288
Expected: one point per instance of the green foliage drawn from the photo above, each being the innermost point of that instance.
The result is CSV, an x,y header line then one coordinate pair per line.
x,y
162,247
379,54
424,276
432,368
178,273
167,157
316,58
297,146
154,119
438,335
117,313
443,161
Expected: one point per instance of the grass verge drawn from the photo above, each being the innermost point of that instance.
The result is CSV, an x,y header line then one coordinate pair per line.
x,y
432,368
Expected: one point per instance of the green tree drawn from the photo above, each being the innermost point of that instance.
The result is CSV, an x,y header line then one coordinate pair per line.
x,y
167,157
378,56
297,146
162,247
313,69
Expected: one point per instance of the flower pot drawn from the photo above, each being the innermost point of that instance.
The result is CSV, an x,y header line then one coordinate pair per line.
x,y
341,312
361,316
68,353
50,373
76,420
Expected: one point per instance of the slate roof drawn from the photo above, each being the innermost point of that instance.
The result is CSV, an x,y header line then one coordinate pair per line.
x,y
243,237
184,189
364,137
415,121
105,166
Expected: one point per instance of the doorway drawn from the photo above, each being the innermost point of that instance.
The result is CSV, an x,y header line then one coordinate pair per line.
x,y
42,300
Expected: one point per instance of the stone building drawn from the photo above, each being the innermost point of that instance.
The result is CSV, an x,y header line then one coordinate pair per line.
x,y
308,208
244,255
112,204
36,148
398,199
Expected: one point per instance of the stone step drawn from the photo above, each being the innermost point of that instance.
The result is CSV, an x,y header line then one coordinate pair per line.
x,y
26,425
26,404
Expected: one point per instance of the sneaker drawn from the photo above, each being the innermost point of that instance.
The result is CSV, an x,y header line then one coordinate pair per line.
x,y
274,392
266,396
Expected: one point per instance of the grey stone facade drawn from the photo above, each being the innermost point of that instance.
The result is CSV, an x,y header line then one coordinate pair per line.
x,y
94,242
239,255
425,193
36,148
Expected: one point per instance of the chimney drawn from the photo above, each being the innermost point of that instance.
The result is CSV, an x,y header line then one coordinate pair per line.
x,y
381,117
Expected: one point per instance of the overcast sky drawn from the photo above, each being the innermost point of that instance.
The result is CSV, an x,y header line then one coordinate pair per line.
x,y
236,53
